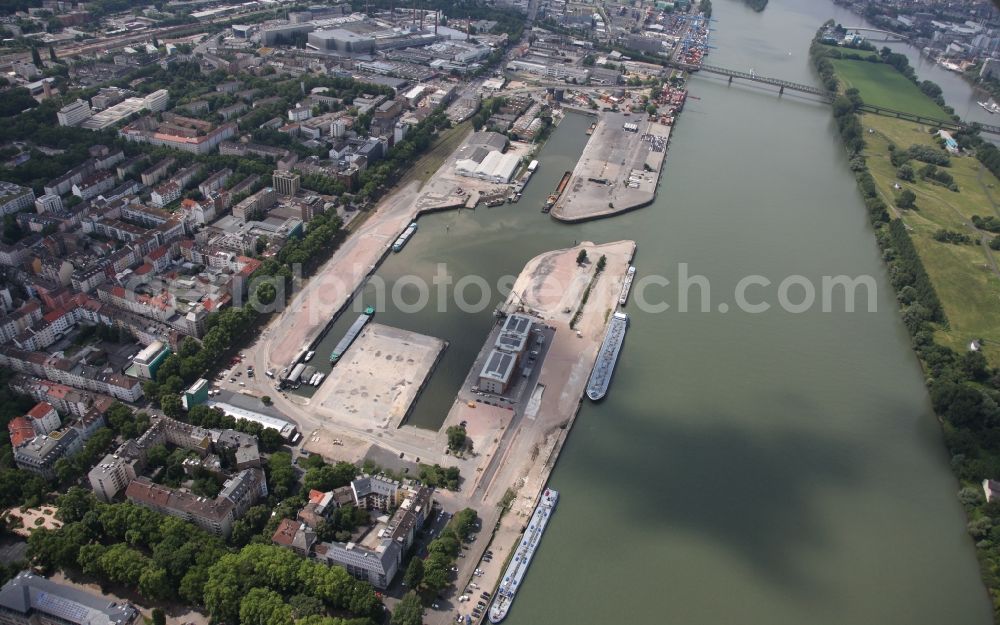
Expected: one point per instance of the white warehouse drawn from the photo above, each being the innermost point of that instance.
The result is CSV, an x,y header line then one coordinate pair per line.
x,y
495,166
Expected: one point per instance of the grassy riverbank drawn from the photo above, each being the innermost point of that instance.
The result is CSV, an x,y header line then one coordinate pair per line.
x,y
921,201
964,275
881,85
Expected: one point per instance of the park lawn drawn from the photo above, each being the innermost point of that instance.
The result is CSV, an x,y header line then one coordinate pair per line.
x,y
881,85
968,289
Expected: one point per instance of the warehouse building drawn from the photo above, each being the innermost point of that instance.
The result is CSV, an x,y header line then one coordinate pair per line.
x,y
341,40
482,157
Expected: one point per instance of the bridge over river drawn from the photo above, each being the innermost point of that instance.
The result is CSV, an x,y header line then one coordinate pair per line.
x,y
782,85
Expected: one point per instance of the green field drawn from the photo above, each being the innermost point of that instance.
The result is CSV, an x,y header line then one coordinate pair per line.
x,y
963,275
881,85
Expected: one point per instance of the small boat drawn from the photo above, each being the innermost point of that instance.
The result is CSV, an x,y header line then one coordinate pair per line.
x,y
990,107
308,356
629,277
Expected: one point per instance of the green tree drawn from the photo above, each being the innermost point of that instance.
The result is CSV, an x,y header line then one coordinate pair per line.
x,y
159,618
36,58
906,199
456,437
435,577
464,523
409,611
581,257
265,293
281,478
328,477
414,573
171,405
305,605
264,607
74,504
905,172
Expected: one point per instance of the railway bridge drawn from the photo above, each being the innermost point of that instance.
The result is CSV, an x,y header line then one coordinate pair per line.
x,y
821,93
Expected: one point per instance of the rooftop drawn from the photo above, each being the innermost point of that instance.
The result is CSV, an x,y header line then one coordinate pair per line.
x,y
28,593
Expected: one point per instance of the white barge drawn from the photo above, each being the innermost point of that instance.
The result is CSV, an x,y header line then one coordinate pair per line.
x,y
525,550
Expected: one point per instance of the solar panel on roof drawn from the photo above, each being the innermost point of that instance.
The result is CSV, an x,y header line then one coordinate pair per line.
x,y
63,608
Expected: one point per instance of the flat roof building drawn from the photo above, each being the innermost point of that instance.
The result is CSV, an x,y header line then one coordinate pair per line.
x,y
497,372
32,600
287,430
149,359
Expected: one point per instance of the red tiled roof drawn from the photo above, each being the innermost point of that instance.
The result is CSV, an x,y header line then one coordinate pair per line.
x,y
20,431
40,409
285,533
159,252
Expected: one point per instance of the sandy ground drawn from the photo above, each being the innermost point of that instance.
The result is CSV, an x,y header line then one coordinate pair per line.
x,y
29,519
378,379
335,446
619,157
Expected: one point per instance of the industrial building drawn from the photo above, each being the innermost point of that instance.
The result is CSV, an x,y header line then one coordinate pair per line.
x,y
498,371
341,40
482,157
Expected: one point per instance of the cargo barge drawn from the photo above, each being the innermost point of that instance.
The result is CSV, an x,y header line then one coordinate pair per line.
x,y
352,333
600,378
405,237
518,566
549,203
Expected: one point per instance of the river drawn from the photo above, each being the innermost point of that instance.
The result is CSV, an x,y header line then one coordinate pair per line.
x,y
772,468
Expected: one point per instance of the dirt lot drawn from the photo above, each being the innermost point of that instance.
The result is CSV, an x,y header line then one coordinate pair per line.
x,y
379,377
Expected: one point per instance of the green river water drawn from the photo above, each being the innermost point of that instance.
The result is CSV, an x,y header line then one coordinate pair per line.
x,y
771,469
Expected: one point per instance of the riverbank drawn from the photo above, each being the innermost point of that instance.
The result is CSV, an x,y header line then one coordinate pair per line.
x,y
950,193
932,266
